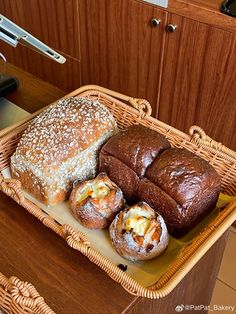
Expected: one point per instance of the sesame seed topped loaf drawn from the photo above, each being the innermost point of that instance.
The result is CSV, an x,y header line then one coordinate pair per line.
x,y
61,146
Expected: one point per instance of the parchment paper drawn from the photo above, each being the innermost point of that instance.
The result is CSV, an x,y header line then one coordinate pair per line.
x,y
146,273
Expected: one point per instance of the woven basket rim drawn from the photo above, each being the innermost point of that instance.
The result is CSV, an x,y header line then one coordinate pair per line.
x,y
189,257
21,296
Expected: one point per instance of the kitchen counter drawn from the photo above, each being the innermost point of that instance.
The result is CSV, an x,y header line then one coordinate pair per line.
x,y
65,278
32,94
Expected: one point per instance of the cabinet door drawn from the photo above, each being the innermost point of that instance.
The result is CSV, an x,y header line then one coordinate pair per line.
x,y
199,75
56,24
120,49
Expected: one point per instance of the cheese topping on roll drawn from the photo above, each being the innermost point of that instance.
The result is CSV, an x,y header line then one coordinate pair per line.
x,y
138,220
141,222
93,190
94,202
139,233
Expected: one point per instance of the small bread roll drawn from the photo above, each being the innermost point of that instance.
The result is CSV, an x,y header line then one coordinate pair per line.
x,y
95,202
139,233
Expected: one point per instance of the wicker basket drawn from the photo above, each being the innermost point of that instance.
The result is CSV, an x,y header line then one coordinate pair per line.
x,y
222,158
19,297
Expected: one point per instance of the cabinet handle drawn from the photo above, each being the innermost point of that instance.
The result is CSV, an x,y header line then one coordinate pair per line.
x,y
171,28
155,22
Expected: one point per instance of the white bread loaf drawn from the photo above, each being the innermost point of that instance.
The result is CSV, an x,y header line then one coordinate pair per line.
x,y
61,146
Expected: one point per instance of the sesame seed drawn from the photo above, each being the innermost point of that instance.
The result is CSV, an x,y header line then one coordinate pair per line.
x,y
61,144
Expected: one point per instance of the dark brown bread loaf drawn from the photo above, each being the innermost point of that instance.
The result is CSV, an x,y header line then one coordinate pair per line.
x,y
182,187
178,184
122,175
160,201
137,147
127,155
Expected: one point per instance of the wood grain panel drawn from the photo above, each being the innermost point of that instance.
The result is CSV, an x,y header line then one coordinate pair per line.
x,y
198,74
71,284
216,110
201,282
66,76
54,22
120,50
183,62
64,277
205,11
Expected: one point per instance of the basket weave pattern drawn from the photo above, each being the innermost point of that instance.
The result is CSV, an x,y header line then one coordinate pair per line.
x,y
222,158
19,297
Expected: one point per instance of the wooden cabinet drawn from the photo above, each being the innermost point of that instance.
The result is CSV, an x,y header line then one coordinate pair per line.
x,y
119,47
188,76
56,24
198,79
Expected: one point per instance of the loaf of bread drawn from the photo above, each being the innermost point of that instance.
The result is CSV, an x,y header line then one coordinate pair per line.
x,y
178,184
127,155
95,202
61,146
182,187
139,233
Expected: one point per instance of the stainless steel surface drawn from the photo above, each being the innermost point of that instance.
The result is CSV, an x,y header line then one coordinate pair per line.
x,y
13,34
155,22
10,113
160,3
171,28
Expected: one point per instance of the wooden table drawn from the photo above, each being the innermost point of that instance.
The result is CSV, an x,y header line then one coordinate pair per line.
x,y
69,283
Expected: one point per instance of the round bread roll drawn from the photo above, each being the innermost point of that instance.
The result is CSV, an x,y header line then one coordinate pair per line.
x,y
95,202
139,233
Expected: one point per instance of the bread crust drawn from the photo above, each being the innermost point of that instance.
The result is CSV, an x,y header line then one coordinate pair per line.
x,y
96,212
134,244
127,155
60,146
161,202
121,174
183,175
180,185
137,147
190,181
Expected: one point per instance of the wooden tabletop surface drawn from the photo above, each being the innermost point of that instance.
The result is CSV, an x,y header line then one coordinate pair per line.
x,y
65,278
33,94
